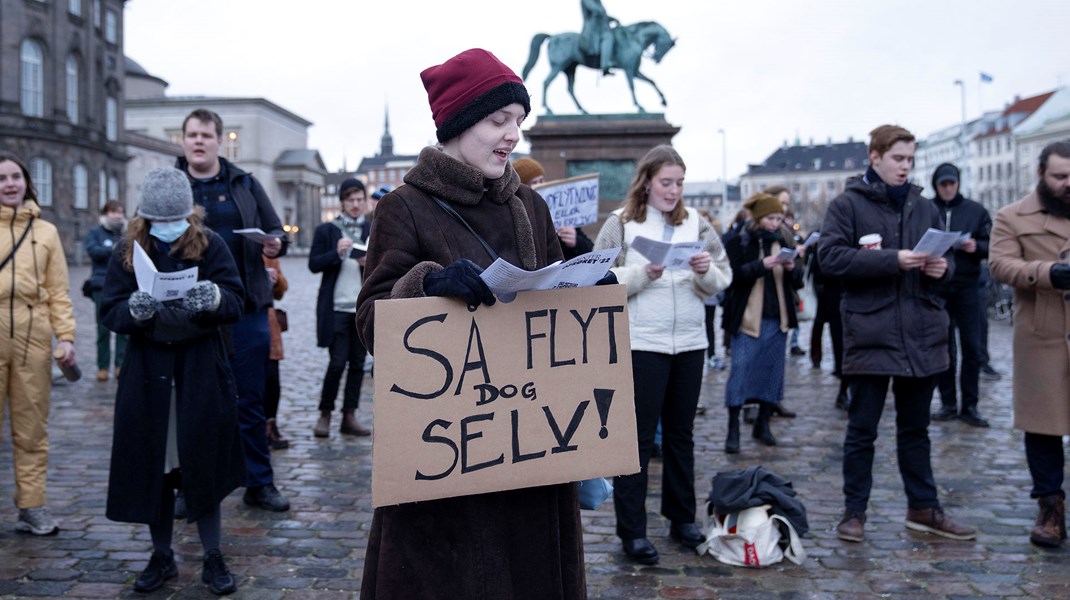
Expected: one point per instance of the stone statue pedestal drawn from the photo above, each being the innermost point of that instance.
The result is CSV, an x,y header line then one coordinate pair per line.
x,y
610,145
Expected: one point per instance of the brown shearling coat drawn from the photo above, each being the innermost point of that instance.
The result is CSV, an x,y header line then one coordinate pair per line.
x,y
517,544
1025,243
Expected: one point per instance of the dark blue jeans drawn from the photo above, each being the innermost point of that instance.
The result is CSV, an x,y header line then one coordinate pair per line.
x,y
912,398
667,388
252,344
965,312
1044,453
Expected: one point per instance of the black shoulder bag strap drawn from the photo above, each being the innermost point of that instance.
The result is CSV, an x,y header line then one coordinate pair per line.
x,y
22,238
453,213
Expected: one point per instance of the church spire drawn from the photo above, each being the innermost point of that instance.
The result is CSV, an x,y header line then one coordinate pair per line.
x,y
386,144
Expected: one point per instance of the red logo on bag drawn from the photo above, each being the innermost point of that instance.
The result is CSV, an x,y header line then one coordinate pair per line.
x,y
750,555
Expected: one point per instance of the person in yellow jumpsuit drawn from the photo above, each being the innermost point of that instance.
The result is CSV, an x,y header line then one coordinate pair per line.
x,y
34,306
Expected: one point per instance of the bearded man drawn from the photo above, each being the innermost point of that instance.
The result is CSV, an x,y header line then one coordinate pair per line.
x,y
1029,250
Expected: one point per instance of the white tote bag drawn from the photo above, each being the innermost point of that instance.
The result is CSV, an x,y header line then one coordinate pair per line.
x,y
750,538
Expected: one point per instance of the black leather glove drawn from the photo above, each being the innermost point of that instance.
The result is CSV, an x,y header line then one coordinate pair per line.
x,y
142,306
202,297
459,280
609,279
1060,276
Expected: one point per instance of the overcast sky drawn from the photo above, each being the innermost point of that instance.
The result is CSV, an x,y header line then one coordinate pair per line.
x,y
764,71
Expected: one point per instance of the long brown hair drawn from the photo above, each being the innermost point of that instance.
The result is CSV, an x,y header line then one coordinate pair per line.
x,y
191,245
31,190
638,189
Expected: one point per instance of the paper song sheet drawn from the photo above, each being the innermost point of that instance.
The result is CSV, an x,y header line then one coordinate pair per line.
x,y
162,286
256,234
673,256
937,243
505,279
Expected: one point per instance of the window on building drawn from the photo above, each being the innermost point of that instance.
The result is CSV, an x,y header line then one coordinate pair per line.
x,y
230,146
849,163
175,136
111,27
80,177
32,60
74,7
41,171
111,118
113,187
102,188
989,174
795,187
999,171
393,175
73,88
831,185
814,187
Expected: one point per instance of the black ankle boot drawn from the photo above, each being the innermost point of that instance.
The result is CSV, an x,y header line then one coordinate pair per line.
x,y
731,443
761,425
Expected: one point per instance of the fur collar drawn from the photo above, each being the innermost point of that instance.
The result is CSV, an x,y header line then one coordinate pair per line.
x,y
448,178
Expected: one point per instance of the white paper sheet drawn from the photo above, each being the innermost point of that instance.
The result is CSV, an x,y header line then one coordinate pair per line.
x,y
256,234
786,255
505,279
162,286
673,256
936,243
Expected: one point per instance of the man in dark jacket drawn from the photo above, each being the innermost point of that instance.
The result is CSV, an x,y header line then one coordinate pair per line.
x,y
233,199
333,254
960,293
99,243
894,326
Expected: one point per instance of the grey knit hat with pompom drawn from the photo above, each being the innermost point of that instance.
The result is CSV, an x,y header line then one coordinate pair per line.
x,y
165,195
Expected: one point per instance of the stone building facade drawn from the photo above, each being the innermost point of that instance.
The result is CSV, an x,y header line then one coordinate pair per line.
x,y
62,103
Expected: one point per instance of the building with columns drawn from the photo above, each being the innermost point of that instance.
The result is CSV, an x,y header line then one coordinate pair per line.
x,y
259,136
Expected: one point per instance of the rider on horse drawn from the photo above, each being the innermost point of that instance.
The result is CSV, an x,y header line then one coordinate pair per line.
x,y
597,39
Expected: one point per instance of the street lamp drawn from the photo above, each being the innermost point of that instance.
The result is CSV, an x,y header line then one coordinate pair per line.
x,y
724,175
964,144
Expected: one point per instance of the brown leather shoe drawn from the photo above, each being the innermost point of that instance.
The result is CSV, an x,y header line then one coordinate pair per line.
x,y
933,520
1050,529
852,527
102,375
323,425
350,426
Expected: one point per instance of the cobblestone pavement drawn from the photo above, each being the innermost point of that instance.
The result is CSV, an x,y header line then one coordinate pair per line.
x,y
317,549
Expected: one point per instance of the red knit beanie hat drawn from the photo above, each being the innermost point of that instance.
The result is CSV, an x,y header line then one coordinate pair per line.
x,y
468,87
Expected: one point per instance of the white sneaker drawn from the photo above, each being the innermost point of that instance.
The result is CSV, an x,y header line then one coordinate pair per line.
x,y
37,521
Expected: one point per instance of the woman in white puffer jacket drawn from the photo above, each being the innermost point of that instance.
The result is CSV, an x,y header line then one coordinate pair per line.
x,y
666,317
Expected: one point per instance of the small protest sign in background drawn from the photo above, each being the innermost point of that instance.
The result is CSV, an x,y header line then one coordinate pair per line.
x,y
534,392
573,201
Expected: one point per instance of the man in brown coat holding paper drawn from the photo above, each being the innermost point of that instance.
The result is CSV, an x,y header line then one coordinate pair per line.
x,y
1030,249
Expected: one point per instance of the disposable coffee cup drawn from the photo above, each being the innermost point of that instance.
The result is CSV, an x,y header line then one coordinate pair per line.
x,y
871,241
70,373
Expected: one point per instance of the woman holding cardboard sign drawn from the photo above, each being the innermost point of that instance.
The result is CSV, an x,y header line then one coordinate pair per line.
x,y
667,321
762,312
461,203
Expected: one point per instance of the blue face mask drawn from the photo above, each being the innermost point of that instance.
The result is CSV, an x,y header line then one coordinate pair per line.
x,y
168,231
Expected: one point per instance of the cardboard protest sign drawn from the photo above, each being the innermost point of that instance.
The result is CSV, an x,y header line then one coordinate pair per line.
x,y
572,201
534,392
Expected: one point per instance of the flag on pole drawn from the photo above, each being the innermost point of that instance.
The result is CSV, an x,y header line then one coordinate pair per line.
x,y
985,77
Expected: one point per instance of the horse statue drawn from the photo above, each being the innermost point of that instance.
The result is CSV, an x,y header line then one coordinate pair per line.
x,y
565,53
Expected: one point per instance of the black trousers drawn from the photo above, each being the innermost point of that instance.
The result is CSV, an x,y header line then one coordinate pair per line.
x,y
272,389
667,388
913,449
711,330
1044,453
965,310
345,348
828,311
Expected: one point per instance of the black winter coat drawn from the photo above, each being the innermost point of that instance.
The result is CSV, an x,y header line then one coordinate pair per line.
x,y
963,214
256,211
184,349
99,243
323,258
894,322
743,254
